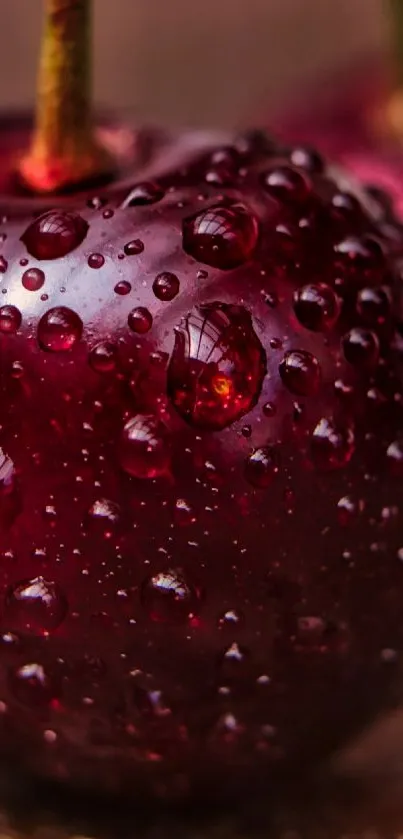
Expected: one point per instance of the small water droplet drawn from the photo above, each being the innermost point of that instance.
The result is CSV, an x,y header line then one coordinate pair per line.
x,y
32,684
221,236
286,184
123,287
262,466
10,319
95,202
316,307
17,369
3,265
143,449
361,347
184,514
144,193
96,260
103,357
140,320
332,445
394,456
59,329
54,234
170,597
35,605
269,410
166,286
134,247
33,279
349,508
300,372
108,213
231,619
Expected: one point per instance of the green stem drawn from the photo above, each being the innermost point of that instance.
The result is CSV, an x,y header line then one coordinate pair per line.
x,y
64,152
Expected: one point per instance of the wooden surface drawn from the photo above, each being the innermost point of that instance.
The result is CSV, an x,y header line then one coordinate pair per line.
x,y
215,61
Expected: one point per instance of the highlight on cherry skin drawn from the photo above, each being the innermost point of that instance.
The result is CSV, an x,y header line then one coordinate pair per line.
x,y
201,468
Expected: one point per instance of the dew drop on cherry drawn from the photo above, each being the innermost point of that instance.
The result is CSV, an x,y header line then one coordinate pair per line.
x,y
394,457
300,372
144,450
96,260
10,319
140,320
171,597
231,619
144,193
54,234
316,307
286,184
374,305
361,347
303,157
349,509
221,236
33,279
332,445
59,329
122,288
166,286
37,606
33,685
217,366
103,357
262,466
3,265
134,247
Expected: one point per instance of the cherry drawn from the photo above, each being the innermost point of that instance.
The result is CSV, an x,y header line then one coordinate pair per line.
x,y
200,431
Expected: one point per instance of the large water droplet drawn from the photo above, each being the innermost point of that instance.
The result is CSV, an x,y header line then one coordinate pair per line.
x,y
33,685
96,260
35,605
170,597
262,466
223,237
54,234
33,279
361,347
103,357
332,444
316,307
144,447
300,372
10,319
166,286
134,247
140,320
217,366
59,329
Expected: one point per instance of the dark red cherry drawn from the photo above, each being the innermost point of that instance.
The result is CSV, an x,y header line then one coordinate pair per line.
x,y
200,471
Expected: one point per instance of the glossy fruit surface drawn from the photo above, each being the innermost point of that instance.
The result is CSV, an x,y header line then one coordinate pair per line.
x,y
200,480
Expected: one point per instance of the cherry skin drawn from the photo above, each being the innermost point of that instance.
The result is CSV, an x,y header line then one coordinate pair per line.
x,y
201,414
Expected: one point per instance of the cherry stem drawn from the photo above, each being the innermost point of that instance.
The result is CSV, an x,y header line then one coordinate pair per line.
x,y
64,151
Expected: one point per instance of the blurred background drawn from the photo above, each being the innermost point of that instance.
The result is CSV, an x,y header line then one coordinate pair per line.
x,y
217,61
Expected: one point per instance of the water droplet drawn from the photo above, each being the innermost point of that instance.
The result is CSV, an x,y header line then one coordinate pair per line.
x,y
374,305
144,193
394,455
223,237
96,260
361,347
358,259
262,466
217,366
59,329
10,319
308,159
10,501
17,369
95,202
349,508
3,265
269,410
184,514
105,513
316,307
166,286
35,605
108,213
332,445
32,684
170,597
140,320
231,619
54,234
123,287
103,357
134,247
143,449
33,279
286,184
300,372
